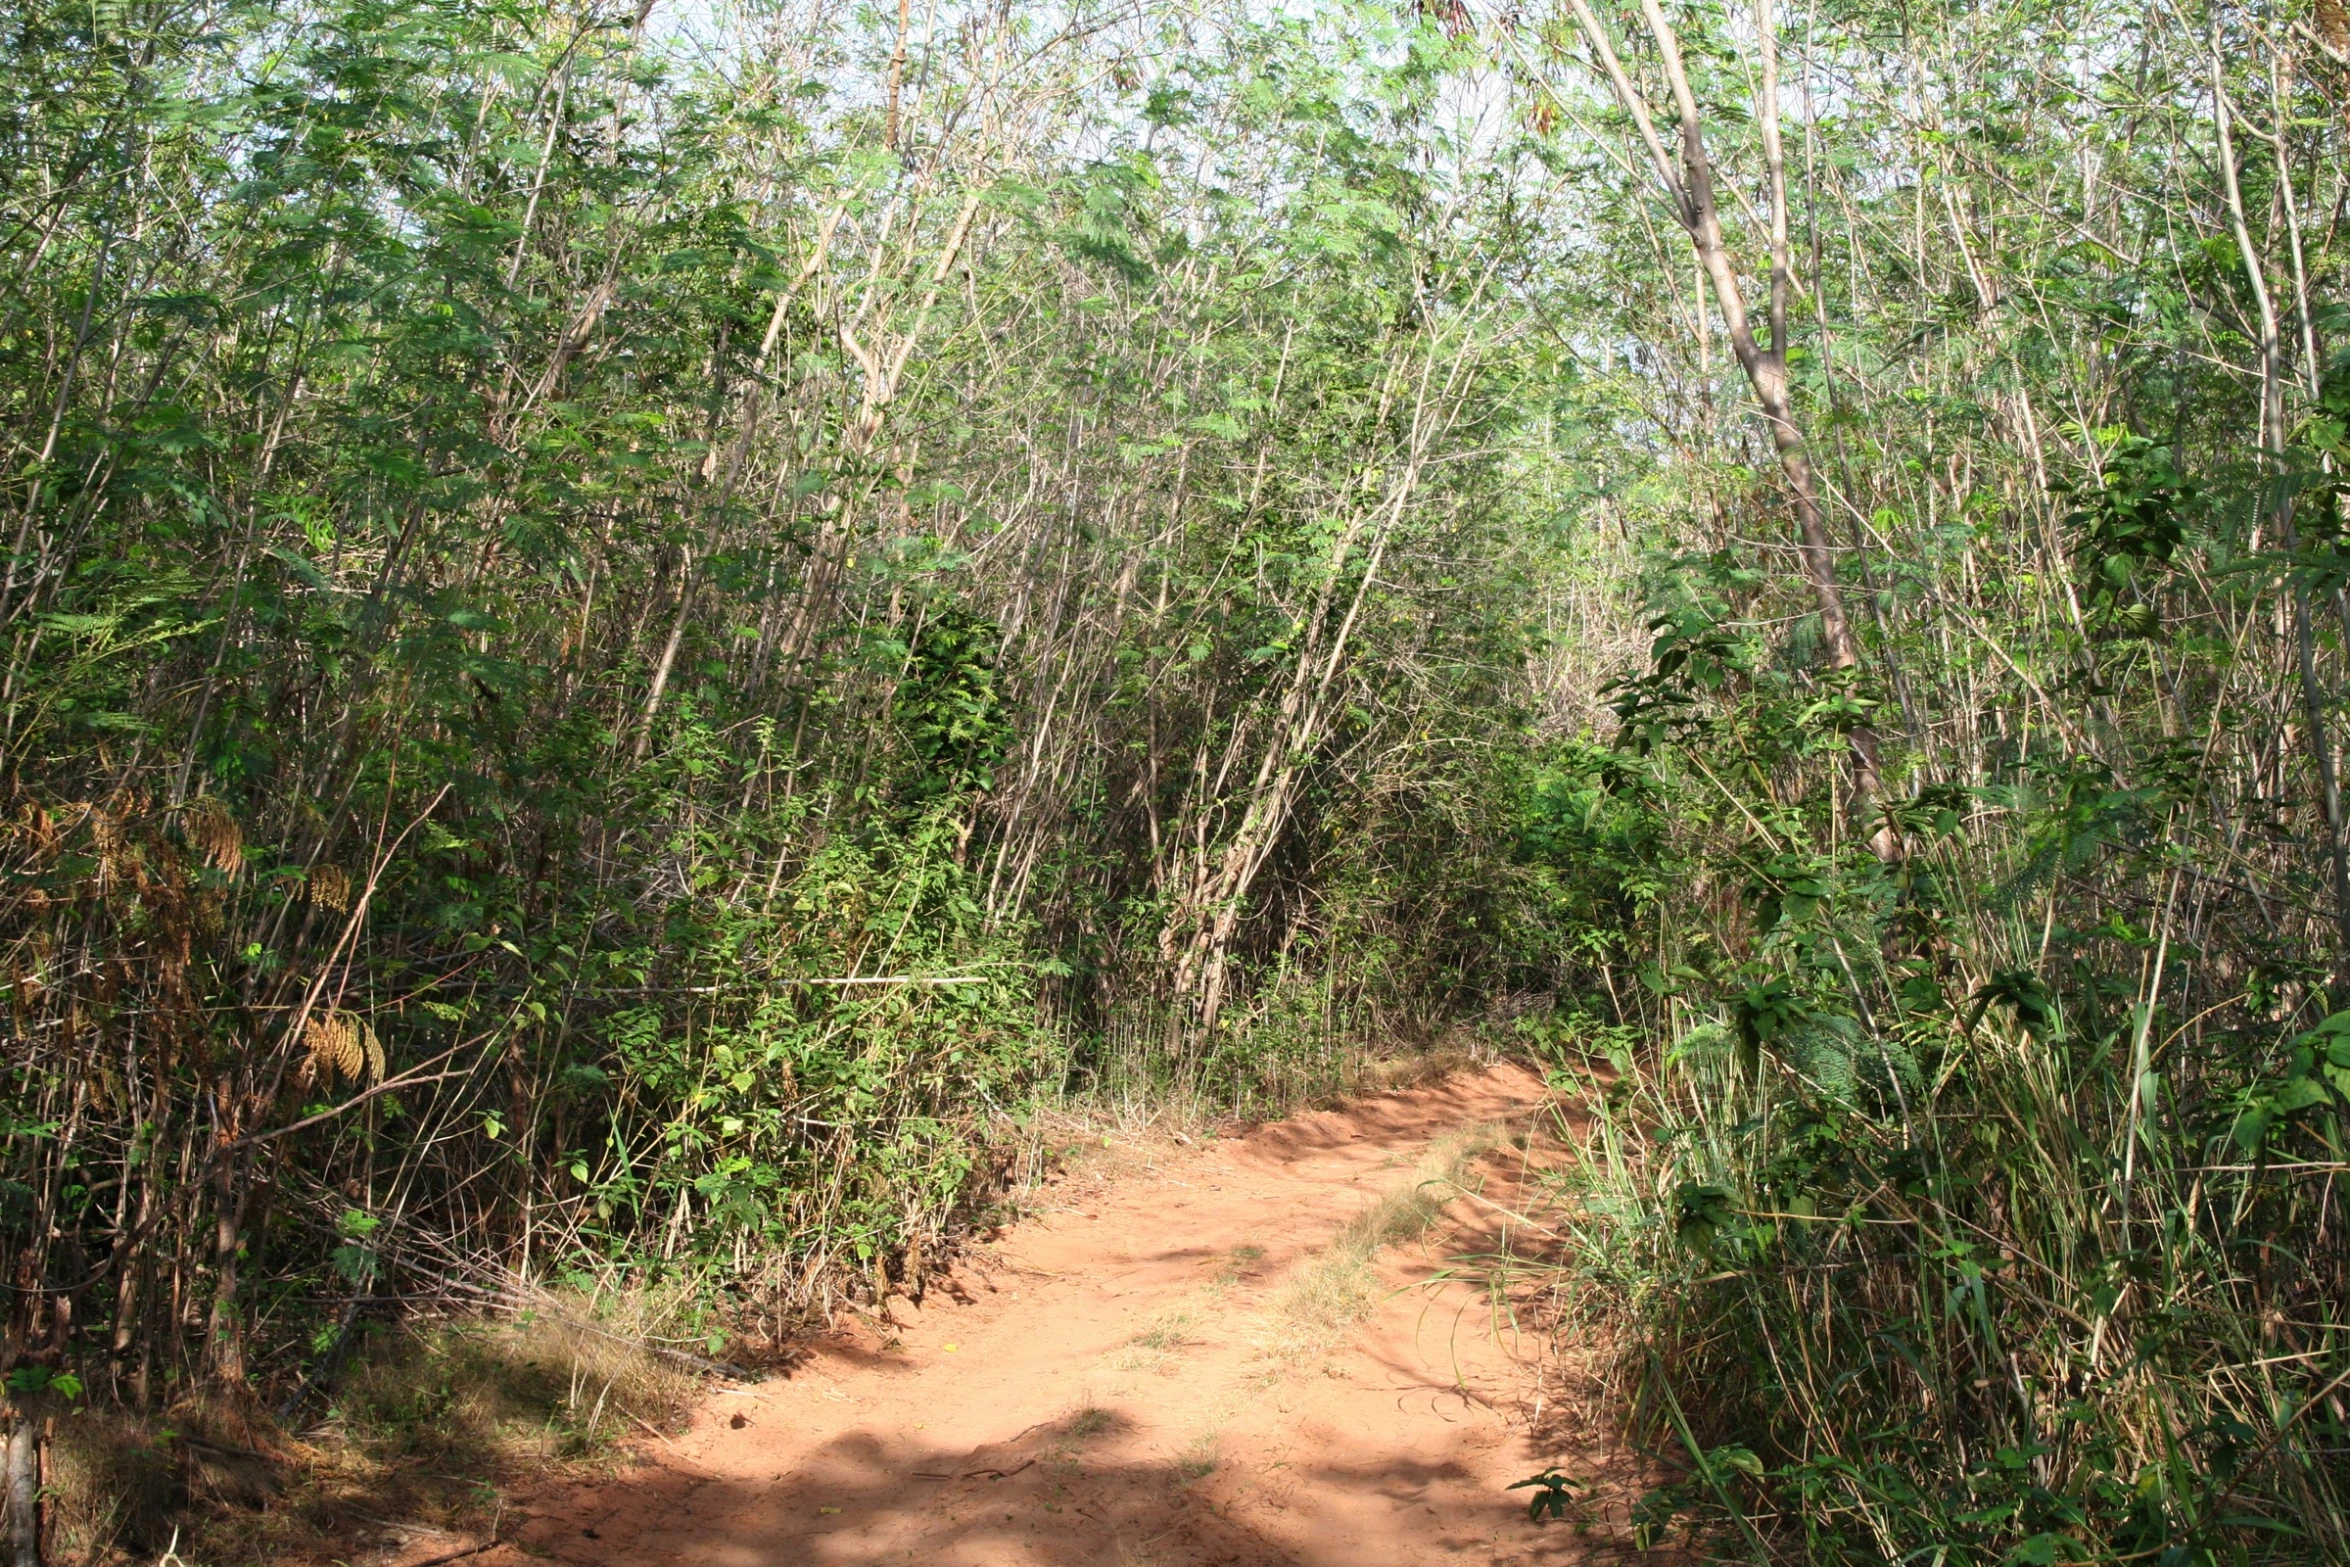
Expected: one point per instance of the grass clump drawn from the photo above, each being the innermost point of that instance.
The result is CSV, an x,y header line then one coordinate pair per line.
x,y
559,1380
115,1489
1239,1263
1155,1348
1171,1331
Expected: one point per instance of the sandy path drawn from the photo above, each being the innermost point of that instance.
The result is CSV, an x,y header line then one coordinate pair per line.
x,y
1122,1381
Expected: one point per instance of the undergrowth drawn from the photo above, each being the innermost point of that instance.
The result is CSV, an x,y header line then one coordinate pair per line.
x,y
1980,1329
432,1423
1975,1204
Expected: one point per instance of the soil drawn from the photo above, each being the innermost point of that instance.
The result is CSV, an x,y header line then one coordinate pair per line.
x,y
1126,1377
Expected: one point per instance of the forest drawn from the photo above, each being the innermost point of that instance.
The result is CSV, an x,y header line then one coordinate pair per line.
x,y
636,640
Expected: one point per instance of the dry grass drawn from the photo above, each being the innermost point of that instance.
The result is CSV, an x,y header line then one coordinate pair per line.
x,y
1338,1287
429,1424
1156,1347
1199,1459
114,1487
1417,1069
1084,1142
1238,1264
1171,1331
557,1381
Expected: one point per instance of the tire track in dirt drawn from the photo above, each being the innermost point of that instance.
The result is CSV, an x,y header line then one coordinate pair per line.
x,y
1149,1377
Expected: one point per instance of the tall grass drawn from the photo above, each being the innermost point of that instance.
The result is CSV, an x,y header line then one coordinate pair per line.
x,y
1995,1279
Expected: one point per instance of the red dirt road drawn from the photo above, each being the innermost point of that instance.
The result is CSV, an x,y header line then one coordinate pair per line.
x,y
1125,1379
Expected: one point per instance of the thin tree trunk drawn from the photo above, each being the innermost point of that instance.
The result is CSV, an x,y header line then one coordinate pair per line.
x,y
1208,912
897,76
1691,189
226,1353
685,602
2272,440
24,1486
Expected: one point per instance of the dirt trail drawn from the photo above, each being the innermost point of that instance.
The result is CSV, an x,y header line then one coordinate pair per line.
x,y
1127,1379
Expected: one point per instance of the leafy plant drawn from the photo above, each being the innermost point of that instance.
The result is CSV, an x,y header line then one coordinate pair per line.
x,y
1553,1493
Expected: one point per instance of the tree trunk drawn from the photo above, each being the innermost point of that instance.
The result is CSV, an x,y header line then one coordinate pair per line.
x,y
24,1487
2272,439
226,1352
1691,190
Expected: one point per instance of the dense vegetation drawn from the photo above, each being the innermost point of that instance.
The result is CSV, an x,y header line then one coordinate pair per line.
x,y
1980,1199
631,636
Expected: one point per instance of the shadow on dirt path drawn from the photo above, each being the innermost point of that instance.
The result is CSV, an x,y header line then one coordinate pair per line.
x,y
1176,1367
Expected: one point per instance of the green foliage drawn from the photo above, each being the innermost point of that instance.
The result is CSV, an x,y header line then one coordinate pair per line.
x,y
949,708
2129,531
2316,1072
1695,651
1910,1254
1553,1494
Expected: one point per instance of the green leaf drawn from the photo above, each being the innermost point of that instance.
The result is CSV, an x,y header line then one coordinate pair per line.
x,y
2298,1093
